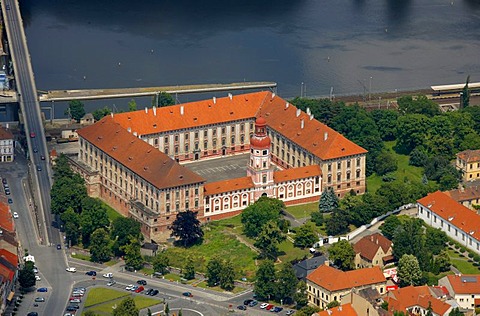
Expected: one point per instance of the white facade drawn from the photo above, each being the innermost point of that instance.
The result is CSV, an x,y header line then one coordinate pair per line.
x,y
7,150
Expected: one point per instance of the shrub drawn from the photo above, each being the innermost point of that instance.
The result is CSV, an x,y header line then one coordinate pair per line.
x,y
463,249
470,255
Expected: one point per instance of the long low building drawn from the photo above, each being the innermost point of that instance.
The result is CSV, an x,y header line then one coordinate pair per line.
x,y
460,223
134,161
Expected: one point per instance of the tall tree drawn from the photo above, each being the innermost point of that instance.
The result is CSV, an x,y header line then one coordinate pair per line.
x,y
71,222
465,101
100,250
385,162
408,271
189,269
76,110
301,296
435,240
94,216
126,308
337,223
163,99
99,113
133,257
328,201
132,105
214,270
285,287
390,226
187,228
268,240
417,105
123,228
67,192
305,236
255,216
26,276
265,283
408,239
160,263
227,276
342,255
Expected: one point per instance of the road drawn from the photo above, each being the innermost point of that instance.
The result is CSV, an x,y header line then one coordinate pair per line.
x,y
50,262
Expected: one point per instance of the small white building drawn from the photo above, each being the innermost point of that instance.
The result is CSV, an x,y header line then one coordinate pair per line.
x,y
459,222
7,145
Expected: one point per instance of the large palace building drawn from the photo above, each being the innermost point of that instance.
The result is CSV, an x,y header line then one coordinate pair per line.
x,y
136,161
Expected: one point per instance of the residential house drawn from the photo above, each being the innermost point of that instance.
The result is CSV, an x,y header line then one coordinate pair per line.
x,y
342,310
468,162
416,301
7,145
327,284
465,289
373,250
439,210
307,266
469,196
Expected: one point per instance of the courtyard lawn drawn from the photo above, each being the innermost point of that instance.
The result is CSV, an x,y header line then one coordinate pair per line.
x,y
221,240
288,253
461,263
302,211
404,170
101,295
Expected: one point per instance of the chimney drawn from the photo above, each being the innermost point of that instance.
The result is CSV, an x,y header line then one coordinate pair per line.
x,y
298,112
325,136
311,117
302,123
273,95
129,129
287,105
214,100
230,96
154,111
111,114
134,133
181,110
308,111
146,110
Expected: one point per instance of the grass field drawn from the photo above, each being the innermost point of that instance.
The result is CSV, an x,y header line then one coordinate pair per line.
x,y
101,300
219,240
81,256
404,170
461,263
302,211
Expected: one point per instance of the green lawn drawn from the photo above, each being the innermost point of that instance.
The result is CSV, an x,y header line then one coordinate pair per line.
x,y
302,211
111,213
219,240
81,256
404,170
461,263
101,300
288,252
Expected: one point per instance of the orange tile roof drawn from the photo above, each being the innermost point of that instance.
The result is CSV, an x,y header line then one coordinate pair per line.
x,y
343,310
465,283
333,279
10,257
311,137
469,155
6,219
452,211
296,173
135,154
228,185
410,296
465,194
5,134
369,245
241,107
195,114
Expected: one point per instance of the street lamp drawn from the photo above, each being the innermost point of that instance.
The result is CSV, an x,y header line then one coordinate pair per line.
x,y
370,90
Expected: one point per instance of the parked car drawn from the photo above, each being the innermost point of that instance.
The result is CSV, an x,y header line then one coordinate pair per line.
x,y
59,246
154,292
264,305
35,270
187,294
247,302
110,283
15,215
129,287
71,308
108,275
32,314
290,312
42,289
139,289
37,278
142,282
91,273
10,201
147,292
4,180
253,303
269,307
242,307
75,300
277,309
7,191
39,299
71,269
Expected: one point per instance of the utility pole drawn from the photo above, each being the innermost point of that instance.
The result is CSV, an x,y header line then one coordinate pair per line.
x,y
370,90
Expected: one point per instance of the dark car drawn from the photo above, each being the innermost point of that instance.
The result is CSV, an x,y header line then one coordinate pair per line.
x,y
7,191
277,309
253,303
147,292
142,282
242,307
4,181
154,292
10,201
59,246
71,308
32,313
187,294
35,149
247,302
42,157
42,289
39,168
91,273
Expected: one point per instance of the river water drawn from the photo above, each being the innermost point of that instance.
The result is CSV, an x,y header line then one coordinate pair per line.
x,y
350,45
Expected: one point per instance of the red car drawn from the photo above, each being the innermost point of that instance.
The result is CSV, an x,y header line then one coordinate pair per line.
x,y
140,289
32,135
269,307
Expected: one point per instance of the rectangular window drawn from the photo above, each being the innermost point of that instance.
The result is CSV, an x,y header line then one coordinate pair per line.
x,y
205,133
